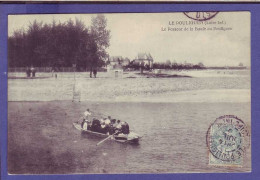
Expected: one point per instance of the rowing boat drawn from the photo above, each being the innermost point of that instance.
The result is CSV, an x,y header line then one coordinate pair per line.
x,y
124,138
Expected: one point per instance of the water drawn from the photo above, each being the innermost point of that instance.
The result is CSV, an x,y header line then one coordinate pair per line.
x,y
174,138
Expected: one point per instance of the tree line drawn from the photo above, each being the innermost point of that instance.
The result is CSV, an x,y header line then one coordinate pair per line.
x,y
177,66
60,44
166,65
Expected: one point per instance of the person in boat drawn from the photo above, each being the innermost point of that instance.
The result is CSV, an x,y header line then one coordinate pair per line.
x,y
112,126
84,124
125,128
108,121
87,113
122,127
118,124
96,125
118,127
105,125
86,119
102,122
113,122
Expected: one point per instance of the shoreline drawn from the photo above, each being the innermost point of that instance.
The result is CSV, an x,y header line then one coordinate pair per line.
x,y
192,96
200,86
136,74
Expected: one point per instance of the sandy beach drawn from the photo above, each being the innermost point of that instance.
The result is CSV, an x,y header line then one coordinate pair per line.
x,y
201,86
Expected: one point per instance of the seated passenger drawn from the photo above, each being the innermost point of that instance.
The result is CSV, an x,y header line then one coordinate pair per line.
x,y
125,128
96,126
118,127
102,122
105,126
108,121
114,123
112,126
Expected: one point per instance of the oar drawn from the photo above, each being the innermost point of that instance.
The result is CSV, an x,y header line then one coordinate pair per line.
x,y
105,139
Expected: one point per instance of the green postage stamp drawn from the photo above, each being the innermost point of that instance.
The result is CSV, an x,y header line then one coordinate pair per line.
x,y
228,139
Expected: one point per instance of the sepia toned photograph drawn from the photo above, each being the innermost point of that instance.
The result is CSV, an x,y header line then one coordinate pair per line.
x,y
128,93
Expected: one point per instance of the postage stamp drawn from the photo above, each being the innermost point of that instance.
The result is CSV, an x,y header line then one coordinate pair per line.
x,y
201,16
228,139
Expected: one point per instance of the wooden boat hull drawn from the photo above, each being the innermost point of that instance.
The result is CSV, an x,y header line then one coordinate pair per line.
x,y
130,138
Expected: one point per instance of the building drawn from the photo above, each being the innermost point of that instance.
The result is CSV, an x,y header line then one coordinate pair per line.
x,y
117,62
116,65
144,58
125,62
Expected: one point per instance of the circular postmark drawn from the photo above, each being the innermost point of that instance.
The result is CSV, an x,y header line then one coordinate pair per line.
x,y
201,16
228,138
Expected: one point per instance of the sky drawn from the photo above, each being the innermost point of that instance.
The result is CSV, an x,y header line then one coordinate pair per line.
x,y
132,33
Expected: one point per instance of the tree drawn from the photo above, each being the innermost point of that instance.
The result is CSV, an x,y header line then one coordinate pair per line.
x,y
101,36
60,44
55,45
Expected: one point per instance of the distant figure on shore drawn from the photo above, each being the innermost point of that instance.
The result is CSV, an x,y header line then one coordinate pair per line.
x,y
53,71
28,72
33,70
90,75
95,73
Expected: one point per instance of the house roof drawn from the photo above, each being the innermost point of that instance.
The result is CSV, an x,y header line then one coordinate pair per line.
x,y
144,56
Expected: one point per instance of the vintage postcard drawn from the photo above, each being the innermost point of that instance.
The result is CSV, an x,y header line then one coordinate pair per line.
x,y
146,1
126,93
